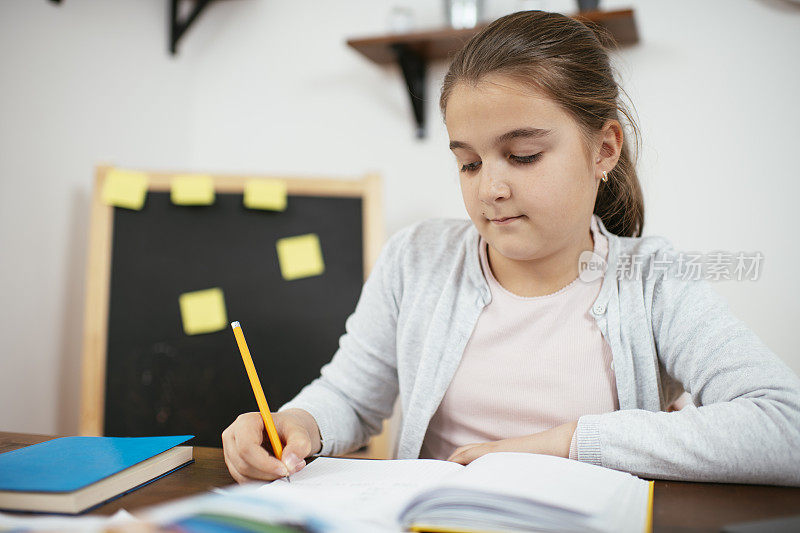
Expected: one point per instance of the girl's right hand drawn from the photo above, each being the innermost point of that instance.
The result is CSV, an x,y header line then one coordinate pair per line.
x,y
244,443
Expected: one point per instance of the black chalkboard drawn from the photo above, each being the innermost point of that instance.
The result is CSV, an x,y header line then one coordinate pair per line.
x,y
160,381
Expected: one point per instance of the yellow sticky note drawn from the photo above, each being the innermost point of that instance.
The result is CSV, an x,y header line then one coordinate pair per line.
x,y
203,311
300,256
124,188
192,190
265,194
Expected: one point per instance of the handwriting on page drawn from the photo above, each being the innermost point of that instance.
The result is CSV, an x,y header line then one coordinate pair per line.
x,y
371,490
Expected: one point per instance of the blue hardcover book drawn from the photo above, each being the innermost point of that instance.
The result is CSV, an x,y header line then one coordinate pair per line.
x,y
73,474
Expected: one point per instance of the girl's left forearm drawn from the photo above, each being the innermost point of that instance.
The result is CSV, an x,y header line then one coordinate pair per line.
x,y
554,441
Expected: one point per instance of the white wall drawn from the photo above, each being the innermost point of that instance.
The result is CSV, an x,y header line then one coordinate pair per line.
x,y
80,83
263,86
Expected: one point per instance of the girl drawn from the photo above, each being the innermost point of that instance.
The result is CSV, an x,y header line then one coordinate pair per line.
x,y
493,336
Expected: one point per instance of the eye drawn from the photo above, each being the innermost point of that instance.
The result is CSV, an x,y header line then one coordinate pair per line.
x,y
470,167
525,159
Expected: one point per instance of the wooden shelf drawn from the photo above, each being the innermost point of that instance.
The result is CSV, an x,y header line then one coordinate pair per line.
x,y
439,43
431,44
413,51
621,24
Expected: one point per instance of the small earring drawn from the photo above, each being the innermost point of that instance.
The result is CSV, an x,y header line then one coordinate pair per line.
x,y
605,176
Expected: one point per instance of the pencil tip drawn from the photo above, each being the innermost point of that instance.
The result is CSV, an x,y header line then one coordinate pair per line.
x,y
235,324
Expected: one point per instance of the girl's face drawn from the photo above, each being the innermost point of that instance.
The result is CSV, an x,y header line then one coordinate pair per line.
x,y
528,184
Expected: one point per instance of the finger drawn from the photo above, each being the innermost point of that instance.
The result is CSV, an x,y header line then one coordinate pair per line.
x,y
242,472
249,427
298,447
256,463
227,436
229,454
469,454
461,449
248,455
228,449
463,458
237,477
234,462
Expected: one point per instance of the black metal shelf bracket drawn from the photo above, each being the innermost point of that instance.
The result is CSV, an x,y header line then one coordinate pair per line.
x,y
413,66
178,28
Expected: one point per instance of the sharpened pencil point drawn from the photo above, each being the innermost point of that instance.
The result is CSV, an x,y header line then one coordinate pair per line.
x,y
235,324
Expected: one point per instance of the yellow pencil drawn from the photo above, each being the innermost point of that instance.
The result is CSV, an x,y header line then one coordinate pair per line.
x,y
277,447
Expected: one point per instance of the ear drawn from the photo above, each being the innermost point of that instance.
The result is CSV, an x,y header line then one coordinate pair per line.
x,y
610,148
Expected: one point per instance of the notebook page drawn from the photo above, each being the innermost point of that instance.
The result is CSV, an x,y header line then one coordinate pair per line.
x,y
368,488
551,480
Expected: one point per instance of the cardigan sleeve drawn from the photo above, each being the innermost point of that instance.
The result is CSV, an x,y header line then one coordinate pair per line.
x,y
573,446
356,390
745,424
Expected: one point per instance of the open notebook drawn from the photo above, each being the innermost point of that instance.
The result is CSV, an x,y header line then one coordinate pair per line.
x,y
498,492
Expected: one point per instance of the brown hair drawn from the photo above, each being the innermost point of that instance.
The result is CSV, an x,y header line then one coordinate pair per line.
x,y
565,59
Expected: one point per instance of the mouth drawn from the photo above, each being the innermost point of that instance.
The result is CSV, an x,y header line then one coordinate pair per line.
x,y
505,220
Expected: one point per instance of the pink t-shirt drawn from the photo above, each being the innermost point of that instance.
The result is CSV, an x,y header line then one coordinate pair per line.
x,y
532,363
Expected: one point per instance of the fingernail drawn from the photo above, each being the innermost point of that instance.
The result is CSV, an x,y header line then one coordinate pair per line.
x,y
298,467
290,460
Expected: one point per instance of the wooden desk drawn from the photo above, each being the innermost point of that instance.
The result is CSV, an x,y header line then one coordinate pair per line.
x,y
677,506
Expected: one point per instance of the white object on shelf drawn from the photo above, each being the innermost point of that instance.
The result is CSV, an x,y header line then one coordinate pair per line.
x,y
401,19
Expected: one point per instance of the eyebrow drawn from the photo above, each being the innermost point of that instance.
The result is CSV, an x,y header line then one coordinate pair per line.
x,y
521,133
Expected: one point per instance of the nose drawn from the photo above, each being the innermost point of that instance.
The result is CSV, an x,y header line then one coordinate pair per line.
x,y
492,187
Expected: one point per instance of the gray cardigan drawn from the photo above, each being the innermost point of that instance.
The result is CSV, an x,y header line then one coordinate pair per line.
x,y
417,311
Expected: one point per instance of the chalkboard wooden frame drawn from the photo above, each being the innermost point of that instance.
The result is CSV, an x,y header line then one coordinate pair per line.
x,y
98,278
